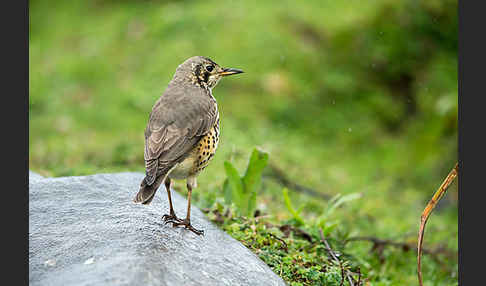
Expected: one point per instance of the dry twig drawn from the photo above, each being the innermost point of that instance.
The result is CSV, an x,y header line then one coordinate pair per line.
x,y
281,240
336,259
277,174
286,229
426,213
380,244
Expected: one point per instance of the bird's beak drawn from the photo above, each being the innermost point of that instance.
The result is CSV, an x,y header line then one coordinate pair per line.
x,y
230,71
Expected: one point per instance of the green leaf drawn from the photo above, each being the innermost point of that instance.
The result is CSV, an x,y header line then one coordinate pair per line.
x,y
253,174
252,178
300,209
341,200
288,204
251,204
334,199
328,228
227,191
236,185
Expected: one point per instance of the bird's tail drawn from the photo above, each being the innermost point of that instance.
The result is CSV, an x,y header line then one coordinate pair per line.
x,y
147,192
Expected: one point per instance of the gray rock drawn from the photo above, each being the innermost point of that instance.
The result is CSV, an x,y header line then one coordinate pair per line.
x,y
34,177
86,231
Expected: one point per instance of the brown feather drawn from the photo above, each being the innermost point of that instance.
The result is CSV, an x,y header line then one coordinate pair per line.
x,y
184,114
147,192
179,119
181,116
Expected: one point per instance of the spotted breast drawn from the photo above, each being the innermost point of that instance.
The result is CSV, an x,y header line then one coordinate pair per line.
x,y
199,157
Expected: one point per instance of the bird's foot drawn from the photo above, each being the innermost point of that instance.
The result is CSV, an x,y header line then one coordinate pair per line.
x,y
171,218
187,225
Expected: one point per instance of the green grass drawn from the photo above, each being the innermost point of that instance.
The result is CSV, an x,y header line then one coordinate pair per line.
x,y
345,98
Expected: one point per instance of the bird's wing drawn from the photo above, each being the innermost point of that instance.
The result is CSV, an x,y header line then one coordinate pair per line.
x,y
177,122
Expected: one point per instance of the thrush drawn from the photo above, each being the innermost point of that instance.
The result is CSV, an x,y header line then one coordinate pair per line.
x,y
182,133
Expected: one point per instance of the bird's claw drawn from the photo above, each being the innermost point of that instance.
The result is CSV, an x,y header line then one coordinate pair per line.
x,y
187,225
171,218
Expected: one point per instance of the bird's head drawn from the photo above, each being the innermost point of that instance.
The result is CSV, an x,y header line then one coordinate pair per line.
x,y
203,71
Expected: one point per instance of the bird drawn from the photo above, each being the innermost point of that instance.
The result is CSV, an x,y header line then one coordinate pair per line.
x,y
182,133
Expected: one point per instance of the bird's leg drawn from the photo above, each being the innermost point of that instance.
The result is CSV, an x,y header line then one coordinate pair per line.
x,y
187,222
171,217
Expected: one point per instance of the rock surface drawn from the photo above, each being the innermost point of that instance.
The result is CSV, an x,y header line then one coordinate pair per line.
x,y
33,177
86,231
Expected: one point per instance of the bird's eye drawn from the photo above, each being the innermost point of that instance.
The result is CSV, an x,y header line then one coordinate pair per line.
x,y
209,68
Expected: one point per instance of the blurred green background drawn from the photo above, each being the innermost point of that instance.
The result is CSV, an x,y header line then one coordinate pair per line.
x,y
345,96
